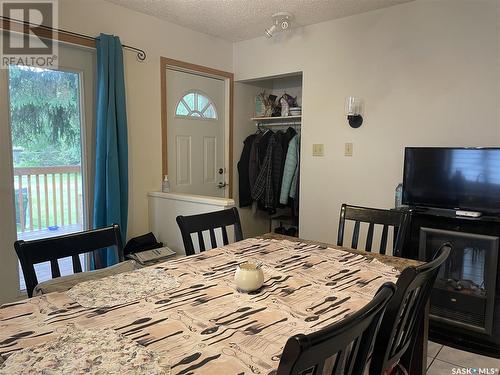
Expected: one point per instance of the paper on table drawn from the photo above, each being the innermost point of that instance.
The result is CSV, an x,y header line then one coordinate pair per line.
x,y
154,254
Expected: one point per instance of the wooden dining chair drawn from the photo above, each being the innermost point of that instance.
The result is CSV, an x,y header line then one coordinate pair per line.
x,y
209,222
399,328
69,245
397,220
340,348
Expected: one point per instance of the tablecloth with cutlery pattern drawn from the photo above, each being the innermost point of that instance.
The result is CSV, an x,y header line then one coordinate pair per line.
x,y
205,325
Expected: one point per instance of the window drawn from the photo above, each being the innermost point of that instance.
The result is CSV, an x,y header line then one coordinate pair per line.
x,y
196,104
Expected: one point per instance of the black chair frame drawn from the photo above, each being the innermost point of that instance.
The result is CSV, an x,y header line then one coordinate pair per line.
x,y
343,347
209,221
398,330
387,218
69,245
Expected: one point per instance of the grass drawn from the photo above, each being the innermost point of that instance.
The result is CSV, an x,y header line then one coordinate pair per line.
x,y
49,218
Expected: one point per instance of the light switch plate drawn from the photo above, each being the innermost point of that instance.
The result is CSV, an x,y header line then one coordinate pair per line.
x,y
348,150
318,149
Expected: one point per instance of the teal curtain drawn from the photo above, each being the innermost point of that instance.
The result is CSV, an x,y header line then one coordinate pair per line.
x,y
111,162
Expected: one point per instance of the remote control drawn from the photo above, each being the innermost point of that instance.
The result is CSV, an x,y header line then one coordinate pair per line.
x,y
468,213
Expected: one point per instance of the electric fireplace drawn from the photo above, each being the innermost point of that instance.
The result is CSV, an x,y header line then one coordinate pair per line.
x,y
464,291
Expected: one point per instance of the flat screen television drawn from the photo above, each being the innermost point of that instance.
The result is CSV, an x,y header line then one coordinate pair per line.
x,y
453,178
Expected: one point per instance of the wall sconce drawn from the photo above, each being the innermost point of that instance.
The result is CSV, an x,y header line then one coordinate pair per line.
x,y
353,111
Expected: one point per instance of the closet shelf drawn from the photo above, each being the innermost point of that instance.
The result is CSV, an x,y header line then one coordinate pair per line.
x,y
275,119
278,121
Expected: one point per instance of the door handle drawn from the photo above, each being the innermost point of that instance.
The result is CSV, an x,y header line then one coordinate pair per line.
x,y
222,185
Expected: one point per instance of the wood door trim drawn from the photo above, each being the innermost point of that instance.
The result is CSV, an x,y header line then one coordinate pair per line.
x,y
165,63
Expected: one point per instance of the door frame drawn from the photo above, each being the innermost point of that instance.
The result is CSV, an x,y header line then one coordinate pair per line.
x,y
9,275
228,78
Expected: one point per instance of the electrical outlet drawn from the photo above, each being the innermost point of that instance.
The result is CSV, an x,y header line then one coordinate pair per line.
x,y
319,149
348,150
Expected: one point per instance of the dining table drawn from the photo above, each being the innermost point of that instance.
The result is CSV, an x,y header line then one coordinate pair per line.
x,y
186,316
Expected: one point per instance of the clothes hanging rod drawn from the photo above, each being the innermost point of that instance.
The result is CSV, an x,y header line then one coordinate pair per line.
x,y
295,125
278,124
141,54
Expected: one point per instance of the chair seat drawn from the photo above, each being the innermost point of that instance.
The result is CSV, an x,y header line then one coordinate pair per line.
x,y
63,283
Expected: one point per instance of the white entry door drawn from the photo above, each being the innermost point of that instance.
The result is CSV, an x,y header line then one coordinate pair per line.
x,y
196,121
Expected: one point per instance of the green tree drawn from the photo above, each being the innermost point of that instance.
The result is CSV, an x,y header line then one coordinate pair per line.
x,y
45,116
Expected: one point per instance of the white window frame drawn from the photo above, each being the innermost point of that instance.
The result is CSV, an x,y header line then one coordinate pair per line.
x,y
84,66
196,110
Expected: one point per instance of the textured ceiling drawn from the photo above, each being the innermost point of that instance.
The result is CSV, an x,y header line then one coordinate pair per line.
x,y
236,20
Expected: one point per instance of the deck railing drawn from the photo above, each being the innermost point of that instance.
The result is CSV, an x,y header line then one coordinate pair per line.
x,y
47,197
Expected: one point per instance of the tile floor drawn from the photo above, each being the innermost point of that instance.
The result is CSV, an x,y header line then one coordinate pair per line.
x,y
441,360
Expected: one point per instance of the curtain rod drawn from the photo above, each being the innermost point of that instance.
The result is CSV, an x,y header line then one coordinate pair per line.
x,y
141,54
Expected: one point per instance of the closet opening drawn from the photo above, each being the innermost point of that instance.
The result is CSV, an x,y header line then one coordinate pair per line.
x,y
268,112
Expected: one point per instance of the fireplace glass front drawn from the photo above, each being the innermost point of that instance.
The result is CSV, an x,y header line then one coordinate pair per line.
x,y
464,291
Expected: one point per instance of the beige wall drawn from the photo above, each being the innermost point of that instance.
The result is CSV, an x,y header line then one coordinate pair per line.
x,y
157,38
428,72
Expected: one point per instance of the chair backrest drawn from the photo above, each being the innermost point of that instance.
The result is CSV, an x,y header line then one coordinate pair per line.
x,y
340,348
398,330
387,218
70,245
209,222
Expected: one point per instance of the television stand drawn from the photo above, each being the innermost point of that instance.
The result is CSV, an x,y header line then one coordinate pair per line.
x,y
468,213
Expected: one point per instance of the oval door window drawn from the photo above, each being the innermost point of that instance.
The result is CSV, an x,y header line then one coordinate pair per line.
x,y
196,104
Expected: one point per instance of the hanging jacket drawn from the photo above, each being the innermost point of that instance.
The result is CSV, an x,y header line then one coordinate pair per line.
x,y
245,193
263,188
284,139
295,179
257,155
253,164
290,170
277,171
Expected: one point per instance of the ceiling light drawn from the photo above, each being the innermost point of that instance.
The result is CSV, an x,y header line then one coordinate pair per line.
x,y
270,31
281,22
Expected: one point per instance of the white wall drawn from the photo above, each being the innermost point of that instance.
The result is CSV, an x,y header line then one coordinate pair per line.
x,y
157,38
428,72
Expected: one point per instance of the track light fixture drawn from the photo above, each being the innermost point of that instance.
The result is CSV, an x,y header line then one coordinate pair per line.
x,y
281,22
270,31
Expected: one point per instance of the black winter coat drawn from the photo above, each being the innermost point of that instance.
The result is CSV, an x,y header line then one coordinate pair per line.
x,y
243,164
